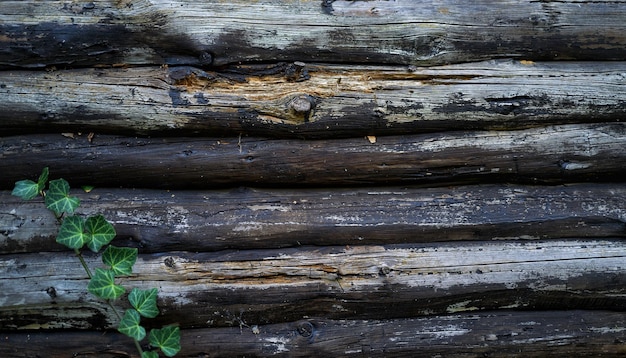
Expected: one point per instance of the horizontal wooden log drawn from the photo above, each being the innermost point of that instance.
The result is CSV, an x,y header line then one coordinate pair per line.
x,y
311,100
199,32
497,334
557,154
48,290
160,221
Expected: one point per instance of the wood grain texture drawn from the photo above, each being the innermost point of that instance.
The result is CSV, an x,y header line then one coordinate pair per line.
x,y
546,155
258,287
322,178
161,221
494,334
312,100
198,32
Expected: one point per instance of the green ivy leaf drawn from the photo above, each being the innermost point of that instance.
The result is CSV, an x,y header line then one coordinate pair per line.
x,y
43,179
167,339
28,189
150,355
71,234
25,189
102,285
58,197
129,325
144,301
121,259
99,232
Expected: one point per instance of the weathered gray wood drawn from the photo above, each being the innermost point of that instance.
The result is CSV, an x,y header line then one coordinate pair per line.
x,y
498,334
331,101
372,271
160,221
199,32
47,290
556,154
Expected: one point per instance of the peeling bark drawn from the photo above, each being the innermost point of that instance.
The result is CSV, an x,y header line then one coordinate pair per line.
x,y
312,100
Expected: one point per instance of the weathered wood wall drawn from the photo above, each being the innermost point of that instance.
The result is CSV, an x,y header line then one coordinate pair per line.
x,y
308,178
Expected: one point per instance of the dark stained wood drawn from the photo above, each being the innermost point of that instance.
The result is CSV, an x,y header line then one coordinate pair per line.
x,y
160,221
496,334
322,178
322,101
557,154
140,32
335,282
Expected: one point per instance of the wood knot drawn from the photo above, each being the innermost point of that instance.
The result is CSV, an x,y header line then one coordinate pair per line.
x,y
205,58
384,270
305,329
51,291
169,262
295,109
301,104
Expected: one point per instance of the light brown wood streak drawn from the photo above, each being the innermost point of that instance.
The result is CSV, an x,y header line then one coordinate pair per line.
x,y
346,101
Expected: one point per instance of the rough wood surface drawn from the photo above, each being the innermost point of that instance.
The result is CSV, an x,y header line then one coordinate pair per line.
x,y
313,100
161,221
555,154
357,282
340,250
501,334
198,32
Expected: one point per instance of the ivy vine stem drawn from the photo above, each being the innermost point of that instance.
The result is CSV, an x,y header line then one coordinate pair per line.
x,y
119,318
109,303
117,314
138,346
96,233
79,254
82,262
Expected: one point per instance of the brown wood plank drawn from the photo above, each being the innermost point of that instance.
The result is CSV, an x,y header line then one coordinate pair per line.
x,y
109,32
356,282
160,221
496,334
324,101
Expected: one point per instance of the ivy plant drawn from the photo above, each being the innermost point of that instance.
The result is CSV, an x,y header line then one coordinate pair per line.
x,y
95,233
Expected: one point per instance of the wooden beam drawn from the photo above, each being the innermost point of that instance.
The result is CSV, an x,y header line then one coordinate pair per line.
x,y
548,155
198,32
311,100
161,221
336,282
494,334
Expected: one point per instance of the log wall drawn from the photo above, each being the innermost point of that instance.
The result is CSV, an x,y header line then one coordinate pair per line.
x,y
308,178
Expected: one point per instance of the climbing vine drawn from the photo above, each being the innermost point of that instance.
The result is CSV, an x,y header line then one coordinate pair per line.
x,y
95,233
